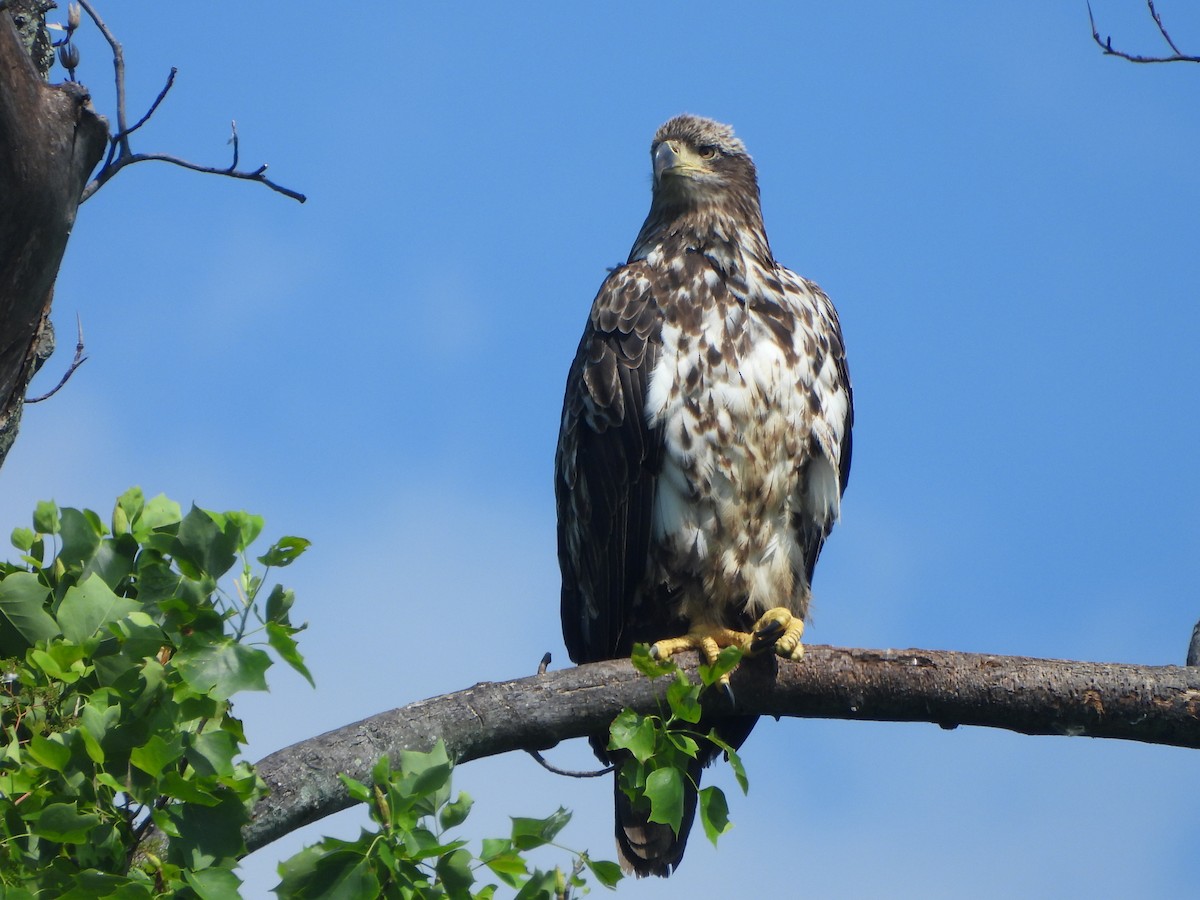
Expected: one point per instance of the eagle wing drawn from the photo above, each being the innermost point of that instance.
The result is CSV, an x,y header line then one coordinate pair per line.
x,y
833,398
606,467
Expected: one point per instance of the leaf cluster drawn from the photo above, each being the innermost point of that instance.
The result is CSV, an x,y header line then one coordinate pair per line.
x,y
412,854
659,753
121,652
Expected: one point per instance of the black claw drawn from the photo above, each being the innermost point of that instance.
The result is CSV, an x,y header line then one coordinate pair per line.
x,y
767,636
729,692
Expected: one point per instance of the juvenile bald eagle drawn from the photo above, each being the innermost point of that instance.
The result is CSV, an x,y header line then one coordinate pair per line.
x,y
705,442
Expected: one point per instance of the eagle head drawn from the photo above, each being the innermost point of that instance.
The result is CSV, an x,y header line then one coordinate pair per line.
x,y
705,189
698,162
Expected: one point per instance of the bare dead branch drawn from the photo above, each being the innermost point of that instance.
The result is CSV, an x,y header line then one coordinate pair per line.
x,y
118,53
78,361
123,161
120,154
1154,704
1105,44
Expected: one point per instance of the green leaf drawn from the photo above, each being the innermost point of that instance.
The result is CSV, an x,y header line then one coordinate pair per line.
x,y
648,665
510,866
177,787
714,813
207,834
212,752
51,754
156,754
684,698
637,734
205,544
529,833
683,743
249,527
430,771
80,536
735,761
89,606
23,538
61,661
140,635
113,561
279,601
213,884
336,875
64,823
727,661
454,814
356,789
130,503
607,873
222,668
280,639
454,870
285,551
45,517
664,790
23,617
156,514
540,886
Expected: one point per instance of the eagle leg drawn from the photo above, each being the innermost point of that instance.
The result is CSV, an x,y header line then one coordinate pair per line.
x,y
780,629
707,639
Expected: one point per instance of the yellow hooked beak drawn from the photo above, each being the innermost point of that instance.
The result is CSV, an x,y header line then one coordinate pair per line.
x,y
676,158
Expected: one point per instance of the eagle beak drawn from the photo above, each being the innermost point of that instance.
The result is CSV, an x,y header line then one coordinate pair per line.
x,y
674,158
666,158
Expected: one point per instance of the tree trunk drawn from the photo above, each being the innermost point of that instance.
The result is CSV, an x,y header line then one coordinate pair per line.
x,y
50,140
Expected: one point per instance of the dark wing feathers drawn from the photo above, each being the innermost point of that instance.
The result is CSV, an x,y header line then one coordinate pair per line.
x,y
606,466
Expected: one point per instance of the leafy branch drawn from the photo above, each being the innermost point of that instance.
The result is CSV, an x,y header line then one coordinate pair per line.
x,y
121,653
412,853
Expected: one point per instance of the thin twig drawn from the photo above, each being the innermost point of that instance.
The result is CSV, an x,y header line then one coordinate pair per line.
x,y
1162,28
78,361
1105,44
157,100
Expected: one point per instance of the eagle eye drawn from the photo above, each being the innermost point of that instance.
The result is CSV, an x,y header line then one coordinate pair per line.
x,y
708,151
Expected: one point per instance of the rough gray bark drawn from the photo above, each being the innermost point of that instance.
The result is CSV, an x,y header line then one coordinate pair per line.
x,y
50,140
1159,704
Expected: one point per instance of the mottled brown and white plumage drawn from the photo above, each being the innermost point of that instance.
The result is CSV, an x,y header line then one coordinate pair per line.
x,y
706,435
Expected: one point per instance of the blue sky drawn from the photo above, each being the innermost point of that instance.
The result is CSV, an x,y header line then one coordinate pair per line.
x,y
1005,218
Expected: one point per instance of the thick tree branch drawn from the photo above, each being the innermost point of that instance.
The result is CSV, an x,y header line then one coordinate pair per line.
x,y
1032,696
